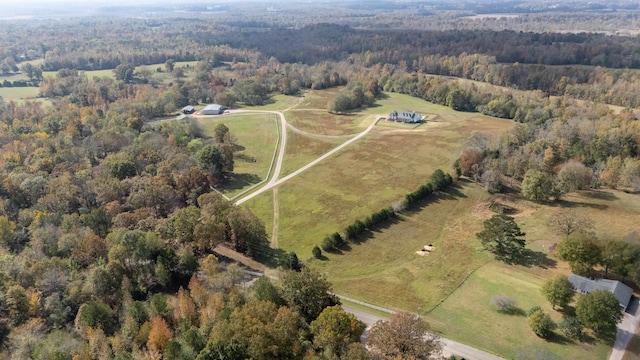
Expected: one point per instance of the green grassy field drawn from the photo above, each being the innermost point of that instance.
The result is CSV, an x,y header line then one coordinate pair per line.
x,y
257,136
388,162
323,123
22,94
319,99
385,270
276,102
302,149
467,316
19,93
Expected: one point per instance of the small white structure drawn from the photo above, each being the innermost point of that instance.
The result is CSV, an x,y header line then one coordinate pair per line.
x,y
405,116
213,109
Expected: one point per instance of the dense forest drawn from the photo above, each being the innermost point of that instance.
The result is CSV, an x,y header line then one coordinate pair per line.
x,y
108,220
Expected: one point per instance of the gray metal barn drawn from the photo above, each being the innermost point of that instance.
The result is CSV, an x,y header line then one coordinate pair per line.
x,y
213,109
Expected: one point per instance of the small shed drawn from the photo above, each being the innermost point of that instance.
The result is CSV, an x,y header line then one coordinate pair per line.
x,y
213,109
188,110
585,285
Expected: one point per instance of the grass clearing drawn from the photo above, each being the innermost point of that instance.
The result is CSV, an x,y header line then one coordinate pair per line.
x,y
319,99
275,103
257,137
302,150
467,315
324,123
385,269
21,94
453,285
263,204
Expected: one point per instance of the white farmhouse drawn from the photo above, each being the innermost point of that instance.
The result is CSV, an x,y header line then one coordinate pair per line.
x,y
405,117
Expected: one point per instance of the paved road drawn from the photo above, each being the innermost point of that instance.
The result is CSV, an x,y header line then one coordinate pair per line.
x,y
275,181
626,329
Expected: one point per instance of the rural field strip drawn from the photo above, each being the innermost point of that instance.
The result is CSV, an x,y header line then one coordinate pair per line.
x,y
269,172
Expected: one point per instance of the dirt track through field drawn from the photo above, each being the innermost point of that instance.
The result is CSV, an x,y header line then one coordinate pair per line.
x,y
276,218
274,179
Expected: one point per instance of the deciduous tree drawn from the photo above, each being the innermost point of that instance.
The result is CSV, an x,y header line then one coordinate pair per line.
x,y
307,292
599,310
536,185
568,221
581,252
334,330
558,291
160,335
403,336
266,331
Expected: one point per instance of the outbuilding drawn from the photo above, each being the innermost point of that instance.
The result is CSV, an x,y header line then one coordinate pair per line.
x,y
188,110
213,109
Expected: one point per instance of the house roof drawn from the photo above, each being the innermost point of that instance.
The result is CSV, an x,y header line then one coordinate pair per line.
x,y
188,108
584,285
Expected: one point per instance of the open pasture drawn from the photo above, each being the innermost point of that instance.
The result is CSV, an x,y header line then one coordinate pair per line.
x,y
372,173
275,103
319,99
302,150
323,123
452,285
384,268
19,93
22,94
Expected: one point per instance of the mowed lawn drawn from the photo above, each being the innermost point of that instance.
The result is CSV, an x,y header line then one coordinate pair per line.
x,y
468,317
466,314
257,138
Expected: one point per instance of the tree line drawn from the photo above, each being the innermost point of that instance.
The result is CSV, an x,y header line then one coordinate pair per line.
x,y
438,181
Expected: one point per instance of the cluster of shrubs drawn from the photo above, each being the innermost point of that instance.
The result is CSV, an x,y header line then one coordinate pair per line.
x,y
437,181
332,242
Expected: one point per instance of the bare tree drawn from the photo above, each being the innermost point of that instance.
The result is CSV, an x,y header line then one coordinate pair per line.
x,y
566,222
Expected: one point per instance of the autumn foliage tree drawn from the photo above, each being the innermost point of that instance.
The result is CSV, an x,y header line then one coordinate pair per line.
x,y
403,336
160,335
334,330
